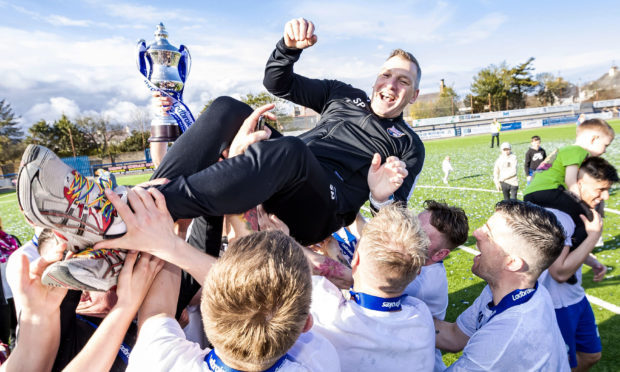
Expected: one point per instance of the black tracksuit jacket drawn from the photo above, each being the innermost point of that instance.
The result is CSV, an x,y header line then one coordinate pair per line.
x,y
348,133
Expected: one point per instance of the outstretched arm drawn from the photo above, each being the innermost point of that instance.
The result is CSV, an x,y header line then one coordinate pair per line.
x,y
569,262
449,337
161,299
281,81
39,321
134,281
150,229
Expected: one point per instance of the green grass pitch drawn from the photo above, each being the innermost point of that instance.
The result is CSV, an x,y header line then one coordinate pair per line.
x,y
473,161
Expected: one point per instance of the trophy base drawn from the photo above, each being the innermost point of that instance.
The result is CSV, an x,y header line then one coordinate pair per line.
x,y
164,133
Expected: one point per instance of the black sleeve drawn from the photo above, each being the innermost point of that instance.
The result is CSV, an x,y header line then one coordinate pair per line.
x,y
281,81
528,161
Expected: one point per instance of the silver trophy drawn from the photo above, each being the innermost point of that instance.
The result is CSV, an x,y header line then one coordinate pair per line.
x,y
165,69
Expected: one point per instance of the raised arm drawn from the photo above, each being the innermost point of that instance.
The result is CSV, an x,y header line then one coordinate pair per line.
x,y
569,262
134,281
281,81
39,321
150,229
161,299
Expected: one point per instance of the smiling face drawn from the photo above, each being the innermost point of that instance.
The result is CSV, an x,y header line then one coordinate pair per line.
x,y
394,88
593,191
489,240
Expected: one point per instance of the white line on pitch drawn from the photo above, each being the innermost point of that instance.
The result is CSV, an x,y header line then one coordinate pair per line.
x,y
604,304
612,211
487,190
469,250
595,300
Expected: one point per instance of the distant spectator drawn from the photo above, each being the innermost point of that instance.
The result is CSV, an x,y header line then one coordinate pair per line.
x,y
447,168
581,119
496,127
533,157
505,173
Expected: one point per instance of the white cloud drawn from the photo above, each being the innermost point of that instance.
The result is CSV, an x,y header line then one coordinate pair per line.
x,y
58,20
569,61
51,110
145,13
480,29
403,22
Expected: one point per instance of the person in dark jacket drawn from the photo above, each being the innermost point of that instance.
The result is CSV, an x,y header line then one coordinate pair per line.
x,y
533,157
361,149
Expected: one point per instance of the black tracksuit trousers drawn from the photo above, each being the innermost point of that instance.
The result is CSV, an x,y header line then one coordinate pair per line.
x,y
281,173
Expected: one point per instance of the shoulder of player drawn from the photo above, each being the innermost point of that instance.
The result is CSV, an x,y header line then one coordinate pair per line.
x,y
418,306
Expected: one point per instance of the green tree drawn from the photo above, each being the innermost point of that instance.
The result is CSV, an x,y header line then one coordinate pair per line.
x,y
134,141
444,105
8,123
41,133
551,88
63,137
99,131
71,139
263,98
10,134
491,84
521,83
447,103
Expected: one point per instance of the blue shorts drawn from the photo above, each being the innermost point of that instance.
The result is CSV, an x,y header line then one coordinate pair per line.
x,y
579,330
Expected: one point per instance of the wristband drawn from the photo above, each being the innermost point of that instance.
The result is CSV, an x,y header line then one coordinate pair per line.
x,y
378,205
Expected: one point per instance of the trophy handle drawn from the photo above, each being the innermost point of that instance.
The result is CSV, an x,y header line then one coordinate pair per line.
x,y
185,62
141,61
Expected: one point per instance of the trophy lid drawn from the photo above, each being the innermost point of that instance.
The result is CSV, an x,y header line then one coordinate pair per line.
x,y
161,40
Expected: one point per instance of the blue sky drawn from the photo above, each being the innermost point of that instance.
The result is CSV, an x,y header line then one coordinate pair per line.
x,y
78,57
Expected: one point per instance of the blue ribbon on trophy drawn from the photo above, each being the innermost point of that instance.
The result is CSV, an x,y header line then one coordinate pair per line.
x,y
165,69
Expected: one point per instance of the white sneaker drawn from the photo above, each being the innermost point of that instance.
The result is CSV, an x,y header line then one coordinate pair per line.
x,y
52,194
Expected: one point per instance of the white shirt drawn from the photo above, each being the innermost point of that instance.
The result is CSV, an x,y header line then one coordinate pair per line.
x,y
446,166
524,337
563,294
370,340
161,346
431,286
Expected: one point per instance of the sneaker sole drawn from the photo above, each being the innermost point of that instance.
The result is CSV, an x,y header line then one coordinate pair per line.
x,y
59,276
27,173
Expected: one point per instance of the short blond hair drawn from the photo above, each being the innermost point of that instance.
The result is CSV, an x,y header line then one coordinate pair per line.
x,y
396,244
256,299
596,125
